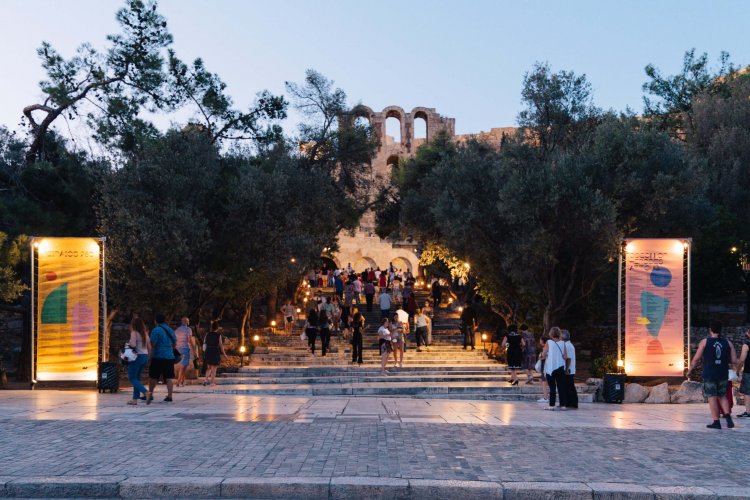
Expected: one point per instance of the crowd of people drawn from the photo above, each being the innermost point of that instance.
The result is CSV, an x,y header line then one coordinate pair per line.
x,y
168,353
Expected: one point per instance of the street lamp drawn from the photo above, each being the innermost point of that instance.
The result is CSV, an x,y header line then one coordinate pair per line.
x,y
273,326
620,366
484,341
242,356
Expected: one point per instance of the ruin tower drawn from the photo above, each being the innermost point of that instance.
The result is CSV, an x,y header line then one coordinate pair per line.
x,y
363,248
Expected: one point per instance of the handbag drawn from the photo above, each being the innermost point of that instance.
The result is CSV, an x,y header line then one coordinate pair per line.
x,y
177,355
538,366
127,354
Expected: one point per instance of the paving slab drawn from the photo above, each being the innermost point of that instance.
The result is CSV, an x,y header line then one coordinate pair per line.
x,y
620,491
546,490
682,493
313,488
383,488
171,487
730,493
63,486
434,489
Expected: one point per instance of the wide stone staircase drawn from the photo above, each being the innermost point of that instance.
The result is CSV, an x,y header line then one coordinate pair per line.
x,y
283,365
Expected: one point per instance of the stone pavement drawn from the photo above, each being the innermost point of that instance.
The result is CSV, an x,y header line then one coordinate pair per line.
x,y
80,443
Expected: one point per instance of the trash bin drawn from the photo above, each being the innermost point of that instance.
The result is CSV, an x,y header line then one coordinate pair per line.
x,y
613,387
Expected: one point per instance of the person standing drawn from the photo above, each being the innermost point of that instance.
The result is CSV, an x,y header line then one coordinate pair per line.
x,y
514,345
324,324
139,343
358,326
397,340
422,322
289,312
529,353
213,351
311,329
383,280
385,303
545,387
554,368
336,313
468,326
407,292
744,365
369,295
163,341
338,285
570,372
437,294
429,312
384,344
716,353
357,290
186,346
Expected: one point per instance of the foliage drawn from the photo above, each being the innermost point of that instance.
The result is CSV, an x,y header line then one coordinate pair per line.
x,y
13,254
669,100
334,144
603,365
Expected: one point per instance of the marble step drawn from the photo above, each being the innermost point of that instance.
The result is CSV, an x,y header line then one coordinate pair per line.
x,y
458,390
395,376
355,369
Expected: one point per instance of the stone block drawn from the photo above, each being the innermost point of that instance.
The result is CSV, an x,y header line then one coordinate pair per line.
x,y
682,493
171,487
433,489
659,394
62,486
689,392
635,393
546,490
346,488
276,487
730,492
620,491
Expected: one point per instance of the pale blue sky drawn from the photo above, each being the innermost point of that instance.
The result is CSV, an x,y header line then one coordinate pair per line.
x,y
466,59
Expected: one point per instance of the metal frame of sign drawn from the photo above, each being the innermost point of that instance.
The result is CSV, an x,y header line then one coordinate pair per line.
x,y
686,270
103,337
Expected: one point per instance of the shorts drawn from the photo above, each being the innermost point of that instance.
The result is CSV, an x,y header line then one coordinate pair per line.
x,y
745,384
185,360
385,346
161,367
715,388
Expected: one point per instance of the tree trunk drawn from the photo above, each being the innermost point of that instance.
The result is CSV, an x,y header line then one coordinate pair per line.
x,y
271,306
245,320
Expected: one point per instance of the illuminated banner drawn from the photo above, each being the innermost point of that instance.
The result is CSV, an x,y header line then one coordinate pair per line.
x,y
654,307
67,309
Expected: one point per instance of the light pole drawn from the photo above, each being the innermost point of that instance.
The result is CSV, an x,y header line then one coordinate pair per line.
x,y
242,356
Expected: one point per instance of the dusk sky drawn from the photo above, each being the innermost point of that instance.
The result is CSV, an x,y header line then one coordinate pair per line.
x,y
466,59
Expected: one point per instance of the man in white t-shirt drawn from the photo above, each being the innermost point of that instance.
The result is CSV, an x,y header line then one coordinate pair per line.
x,y
570,350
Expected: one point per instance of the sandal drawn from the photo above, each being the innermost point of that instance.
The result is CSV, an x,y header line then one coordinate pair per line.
x,y
743,415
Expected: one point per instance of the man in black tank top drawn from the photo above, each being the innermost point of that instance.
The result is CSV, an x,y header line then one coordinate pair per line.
x,y
716,353
744,365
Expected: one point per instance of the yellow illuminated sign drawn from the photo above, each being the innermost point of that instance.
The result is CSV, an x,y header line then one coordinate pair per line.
x,y
67,319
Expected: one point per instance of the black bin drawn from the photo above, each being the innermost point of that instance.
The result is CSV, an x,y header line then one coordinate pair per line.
x,y
613,387
108,379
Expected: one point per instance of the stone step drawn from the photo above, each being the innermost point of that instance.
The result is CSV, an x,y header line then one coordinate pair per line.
x,y
354,369
458,390
395,376
332,361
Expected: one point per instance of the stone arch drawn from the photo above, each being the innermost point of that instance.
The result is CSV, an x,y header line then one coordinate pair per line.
x,y
330,259
420,114
398,113
403,263
363,263
392,160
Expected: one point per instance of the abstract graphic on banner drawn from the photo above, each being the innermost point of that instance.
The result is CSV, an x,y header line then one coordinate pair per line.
x,y
654,307
67,309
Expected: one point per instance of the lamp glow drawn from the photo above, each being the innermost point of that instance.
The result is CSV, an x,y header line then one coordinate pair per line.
x,y
256,338
293,260
242,349
460,309
629,248
620,363
273,323
299,310
484,336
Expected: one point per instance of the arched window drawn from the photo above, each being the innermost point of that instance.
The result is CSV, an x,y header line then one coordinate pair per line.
x,y
393,129
361,121
420,127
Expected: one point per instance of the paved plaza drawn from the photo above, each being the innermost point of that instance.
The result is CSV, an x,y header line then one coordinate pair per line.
x,y
211,443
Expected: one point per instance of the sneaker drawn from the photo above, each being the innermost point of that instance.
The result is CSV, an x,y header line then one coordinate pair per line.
x,y
549,408
715,425
743,415
132,402
542,400
168,399
730,423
